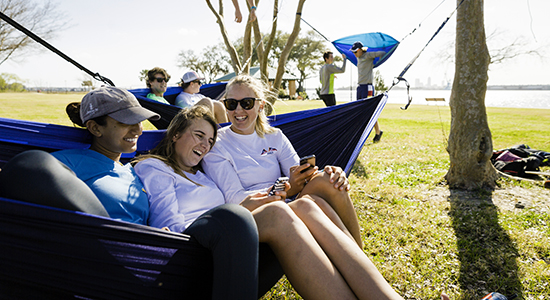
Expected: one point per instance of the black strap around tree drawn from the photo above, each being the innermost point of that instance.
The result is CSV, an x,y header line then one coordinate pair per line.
x,y
19,27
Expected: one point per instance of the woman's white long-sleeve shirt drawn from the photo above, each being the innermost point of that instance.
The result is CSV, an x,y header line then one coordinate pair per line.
x,y
175,202
245,164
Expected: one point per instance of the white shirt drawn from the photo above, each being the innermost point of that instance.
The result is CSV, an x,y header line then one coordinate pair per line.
x,y
245,164
184,99
176,202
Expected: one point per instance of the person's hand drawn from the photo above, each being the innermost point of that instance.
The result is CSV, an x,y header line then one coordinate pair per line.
x,y
338,178
343,56
238,15
252,16
165,228
298,179
251,202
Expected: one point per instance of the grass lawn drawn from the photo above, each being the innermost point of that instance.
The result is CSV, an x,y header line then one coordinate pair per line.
x,y
424,238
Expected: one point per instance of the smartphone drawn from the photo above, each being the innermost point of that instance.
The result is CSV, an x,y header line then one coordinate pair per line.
x,y
310,159
279,185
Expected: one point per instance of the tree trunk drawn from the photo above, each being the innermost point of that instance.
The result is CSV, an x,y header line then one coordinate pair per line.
x,y
470,144
235,62
289,44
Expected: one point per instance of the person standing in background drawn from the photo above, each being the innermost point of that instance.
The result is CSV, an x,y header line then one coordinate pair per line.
x,y
326,75
365,65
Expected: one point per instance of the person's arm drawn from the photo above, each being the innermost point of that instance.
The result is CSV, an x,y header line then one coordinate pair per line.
x,y
220,169
252,17
288,161
343,69
238,14
375,54
334,69
159,183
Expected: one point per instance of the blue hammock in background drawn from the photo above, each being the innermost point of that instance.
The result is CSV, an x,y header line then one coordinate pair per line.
x,y
50,253
375,41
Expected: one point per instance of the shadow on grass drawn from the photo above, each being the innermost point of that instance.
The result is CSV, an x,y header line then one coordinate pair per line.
x,y
487,254
359,170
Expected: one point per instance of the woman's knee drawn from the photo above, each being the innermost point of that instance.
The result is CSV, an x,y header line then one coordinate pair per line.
x,y
235,218
277,211
33,167
273,219
307,204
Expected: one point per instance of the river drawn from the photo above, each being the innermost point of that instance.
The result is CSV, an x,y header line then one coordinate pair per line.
x,y
493,98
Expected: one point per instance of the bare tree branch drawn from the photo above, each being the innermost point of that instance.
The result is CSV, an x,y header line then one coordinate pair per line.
x,y
43,20
236,63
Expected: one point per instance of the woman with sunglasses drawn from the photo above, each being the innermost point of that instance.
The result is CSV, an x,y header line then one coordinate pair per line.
x,y
250,155
320,261
191,84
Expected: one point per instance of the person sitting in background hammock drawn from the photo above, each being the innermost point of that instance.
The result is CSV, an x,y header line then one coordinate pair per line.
x,y
104,187
250,155
191,84
319,259
157,81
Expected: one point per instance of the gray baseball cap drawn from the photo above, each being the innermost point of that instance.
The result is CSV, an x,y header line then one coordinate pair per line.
x,y
116,103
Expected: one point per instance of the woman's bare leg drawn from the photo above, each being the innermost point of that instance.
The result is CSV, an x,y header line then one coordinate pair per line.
x,y
219,112
307,267
216,108
340,201
357,269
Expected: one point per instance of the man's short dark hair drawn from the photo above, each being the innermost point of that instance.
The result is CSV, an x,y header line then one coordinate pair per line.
x,y
154,71
326,55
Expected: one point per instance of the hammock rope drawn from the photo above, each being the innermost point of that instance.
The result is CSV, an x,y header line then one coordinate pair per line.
x,y
400,77
30,34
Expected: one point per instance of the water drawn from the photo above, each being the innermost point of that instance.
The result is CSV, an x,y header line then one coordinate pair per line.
x,y
493,98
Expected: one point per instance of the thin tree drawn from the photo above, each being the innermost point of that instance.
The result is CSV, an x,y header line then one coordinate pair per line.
x,y
43,20
470,143
253,28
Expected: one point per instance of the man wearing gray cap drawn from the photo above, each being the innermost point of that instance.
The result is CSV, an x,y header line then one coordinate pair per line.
x,y
365,65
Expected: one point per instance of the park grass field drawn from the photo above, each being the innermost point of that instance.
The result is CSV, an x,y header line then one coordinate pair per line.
x,y
424,238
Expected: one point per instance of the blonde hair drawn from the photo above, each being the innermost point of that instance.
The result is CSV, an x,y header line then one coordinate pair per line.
x,y
165,151
261,91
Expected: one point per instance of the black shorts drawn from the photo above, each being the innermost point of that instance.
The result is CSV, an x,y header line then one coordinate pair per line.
x,y
329,99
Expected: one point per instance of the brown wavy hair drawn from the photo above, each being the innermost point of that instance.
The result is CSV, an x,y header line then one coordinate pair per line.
x,y
165,150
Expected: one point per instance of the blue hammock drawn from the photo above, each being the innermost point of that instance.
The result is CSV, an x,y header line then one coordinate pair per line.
x,y
50,253
375,41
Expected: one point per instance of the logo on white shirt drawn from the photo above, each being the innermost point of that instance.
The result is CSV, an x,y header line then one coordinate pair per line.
x,y
268,151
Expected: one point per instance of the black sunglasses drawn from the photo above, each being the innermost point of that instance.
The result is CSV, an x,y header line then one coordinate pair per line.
x,y
158,79
246,103
197,82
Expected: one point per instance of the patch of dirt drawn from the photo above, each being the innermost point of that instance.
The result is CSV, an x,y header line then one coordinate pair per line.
x,y
510,198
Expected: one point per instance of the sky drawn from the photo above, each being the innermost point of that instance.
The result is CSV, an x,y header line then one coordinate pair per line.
x,y
119,38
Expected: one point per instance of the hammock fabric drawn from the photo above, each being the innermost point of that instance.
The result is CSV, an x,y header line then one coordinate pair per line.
x,y
58,254
375,41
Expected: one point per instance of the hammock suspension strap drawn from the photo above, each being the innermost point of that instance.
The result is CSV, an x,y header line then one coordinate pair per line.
x,y
19,27
400,77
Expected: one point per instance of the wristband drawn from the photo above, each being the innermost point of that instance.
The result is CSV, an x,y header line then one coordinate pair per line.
x,y
253,7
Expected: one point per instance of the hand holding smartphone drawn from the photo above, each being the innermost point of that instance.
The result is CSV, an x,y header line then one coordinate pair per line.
x,y
310,159
279,185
